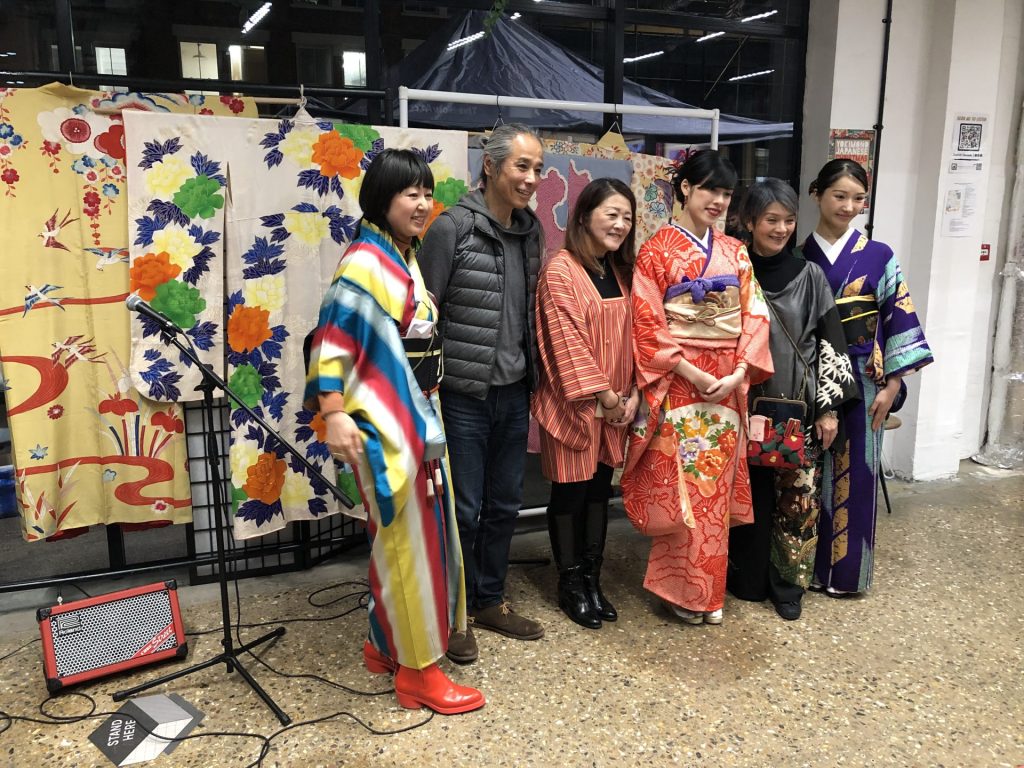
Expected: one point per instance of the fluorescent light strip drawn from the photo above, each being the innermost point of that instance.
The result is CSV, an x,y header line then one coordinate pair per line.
x,y
515,16
645,56
256,17
752,74
758,16
464,41
708,37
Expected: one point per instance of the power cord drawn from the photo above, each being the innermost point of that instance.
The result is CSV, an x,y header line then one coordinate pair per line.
x,y
363,594
7,719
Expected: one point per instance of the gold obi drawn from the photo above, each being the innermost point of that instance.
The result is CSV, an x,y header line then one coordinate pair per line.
x,y
717,317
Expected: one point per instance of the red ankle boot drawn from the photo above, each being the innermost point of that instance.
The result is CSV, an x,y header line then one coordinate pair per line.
x,y
376,661
431,688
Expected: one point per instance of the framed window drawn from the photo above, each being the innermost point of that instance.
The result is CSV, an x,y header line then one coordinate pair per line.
x,y
354,66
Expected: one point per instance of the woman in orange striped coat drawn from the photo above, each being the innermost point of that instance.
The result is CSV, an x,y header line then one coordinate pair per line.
x,y
586,396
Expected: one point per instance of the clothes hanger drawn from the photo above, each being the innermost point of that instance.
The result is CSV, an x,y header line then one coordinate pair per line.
x,y
613,138
498,121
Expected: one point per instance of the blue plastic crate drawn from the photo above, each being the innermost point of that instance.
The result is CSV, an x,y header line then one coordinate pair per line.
x,y
8,501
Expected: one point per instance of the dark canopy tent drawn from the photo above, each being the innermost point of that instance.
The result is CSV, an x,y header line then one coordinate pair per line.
x,y
517,61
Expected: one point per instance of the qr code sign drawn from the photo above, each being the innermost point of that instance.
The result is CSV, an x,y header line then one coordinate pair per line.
x,y
970,137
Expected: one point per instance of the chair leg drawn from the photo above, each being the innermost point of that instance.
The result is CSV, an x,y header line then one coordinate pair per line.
x,y
885,493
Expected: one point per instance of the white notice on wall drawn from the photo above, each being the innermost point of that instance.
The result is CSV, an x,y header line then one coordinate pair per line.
x,y
960,210
969,143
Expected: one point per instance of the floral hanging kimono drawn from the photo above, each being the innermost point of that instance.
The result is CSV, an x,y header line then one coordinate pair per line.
x,y
417,591
885,339
89,447
683,460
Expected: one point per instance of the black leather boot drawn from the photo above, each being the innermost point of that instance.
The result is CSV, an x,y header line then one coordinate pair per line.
x,y
595,531
572,598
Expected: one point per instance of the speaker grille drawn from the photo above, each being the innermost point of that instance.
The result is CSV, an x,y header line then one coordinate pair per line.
x,y
111,633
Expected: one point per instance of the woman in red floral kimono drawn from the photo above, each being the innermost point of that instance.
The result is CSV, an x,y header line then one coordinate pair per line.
x,y
700,339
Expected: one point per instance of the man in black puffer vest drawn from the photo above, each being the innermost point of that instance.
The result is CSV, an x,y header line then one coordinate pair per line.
x,y
480,260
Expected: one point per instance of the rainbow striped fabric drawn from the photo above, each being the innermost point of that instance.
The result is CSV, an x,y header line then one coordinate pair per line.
x,y
416,576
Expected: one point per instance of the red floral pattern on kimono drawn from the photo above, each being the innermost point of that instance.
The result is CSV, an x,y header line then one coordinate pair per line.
x,y
683,459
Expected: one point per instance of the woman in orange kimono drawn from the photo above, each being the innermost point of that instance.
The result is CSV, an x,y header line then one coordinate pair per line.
x,y
585,397
700,339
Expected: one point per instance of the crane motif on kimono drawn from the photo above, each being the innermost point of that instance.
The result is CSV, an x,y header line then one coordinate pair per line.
x,y
51,230
107,256
75,351
37,295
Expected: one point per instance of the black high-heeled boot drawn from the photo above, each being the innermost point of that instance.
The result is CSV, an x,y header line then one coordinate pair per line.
x,y
595,531
572,598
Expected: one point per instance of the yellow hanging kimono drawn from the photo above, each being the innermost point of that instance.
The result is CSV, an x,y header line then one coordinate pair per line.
x,y
87,448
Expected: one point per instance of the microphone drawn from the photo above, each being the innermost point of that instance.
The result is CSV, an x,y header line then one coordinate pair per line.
x,y
135,303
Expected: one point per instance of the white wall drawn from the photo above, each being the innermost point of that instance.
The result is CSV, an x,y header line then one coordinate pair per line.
x,y
945,56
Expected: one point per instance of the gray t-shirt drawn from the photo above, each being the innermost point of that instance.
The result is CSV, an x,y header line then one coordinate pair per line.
x,y
510,358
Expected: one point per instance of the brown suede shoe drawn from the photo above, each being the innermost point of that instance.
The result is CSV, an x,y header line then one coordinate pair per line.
x,y
502,619
462,647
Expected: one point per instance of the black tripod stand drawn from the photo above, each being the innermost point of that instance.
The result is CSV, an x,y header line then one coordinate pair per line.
x,y
221,517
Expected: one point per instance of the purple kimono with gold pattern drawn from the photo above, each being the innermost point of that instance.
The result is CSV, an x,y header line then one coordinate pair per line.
x,y
885,339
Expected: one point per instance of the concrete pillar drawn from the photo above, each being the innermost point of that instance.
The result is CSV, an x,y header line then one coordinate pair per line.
x,y
946,57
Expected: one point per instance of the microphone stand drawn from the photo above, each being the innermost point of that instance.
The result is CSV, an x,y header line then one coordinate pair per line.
x,y
229,656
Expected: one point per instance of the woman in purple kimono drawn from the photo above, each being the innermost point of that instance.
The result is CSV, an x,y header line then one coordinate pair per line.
x,y
885,343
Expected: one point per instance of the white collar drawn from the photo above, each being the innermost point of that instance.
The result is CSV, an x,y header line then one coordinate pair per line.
x,y
832,250
704,242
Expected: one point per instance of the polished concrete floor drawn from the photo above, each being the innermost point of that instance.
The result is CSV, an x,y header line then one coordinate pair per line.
x,y
927,670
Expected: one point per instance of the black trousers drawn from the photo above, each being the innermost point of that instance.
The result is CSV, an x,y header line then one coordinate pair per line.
x,y
751,574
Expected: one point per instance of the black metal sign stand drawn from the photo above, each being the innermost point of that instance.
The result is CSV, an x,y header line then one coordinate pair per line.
x,y
229,656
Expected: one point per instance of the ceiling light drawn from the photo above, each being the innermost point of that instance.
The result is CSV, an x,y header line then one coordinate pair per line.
x,y
464,41
645,56
709,36
758,16
752,74
256,17
516,15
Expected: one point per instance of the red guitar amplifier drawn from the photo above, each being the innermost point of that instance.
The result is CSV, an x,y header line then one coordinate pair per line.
x,y
111,633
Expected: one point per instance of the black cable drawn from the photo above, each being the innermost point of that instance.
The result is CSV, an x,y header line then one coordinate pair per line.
x,y
7,720
363,598
19,650
305,675
358,583
266,749
72,584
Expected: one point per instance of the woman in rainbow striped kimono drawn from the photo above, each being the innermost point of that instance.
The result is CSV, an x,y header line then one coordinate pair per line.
x,y
373,375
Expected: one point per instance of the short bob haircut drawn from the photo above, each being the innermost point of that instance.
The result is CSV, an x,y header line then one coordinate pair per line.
x,y
706,169
833,171
577,236
389,173
762,194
